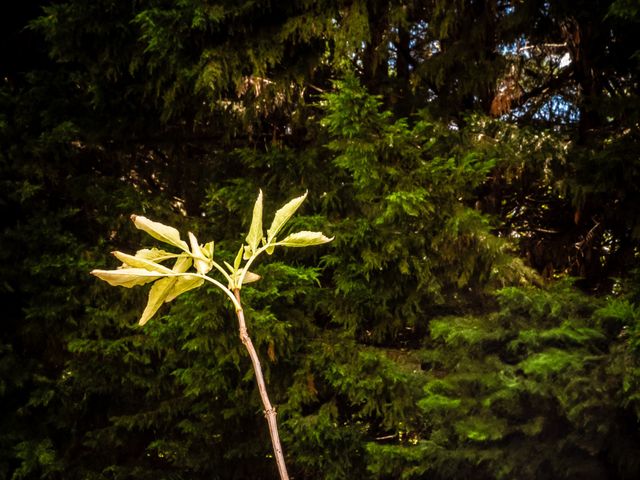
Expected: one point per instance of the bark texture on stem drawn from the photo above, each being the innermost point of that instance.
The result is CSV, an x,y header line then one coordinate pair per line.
x,y
269,411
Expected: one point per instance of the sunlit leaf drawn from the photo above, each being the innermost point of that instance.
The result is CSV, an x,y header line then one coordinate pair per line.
x,y
238,260
255,231
160,231
157,295
137,262
203,266
195,248
183,284
249,277
283,215
304,239
200,261
155,254
163,289
208,250
127,277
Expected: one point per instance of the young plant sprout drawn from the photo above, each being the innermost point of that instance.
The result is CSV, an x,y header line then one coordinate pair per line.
x,y
146,267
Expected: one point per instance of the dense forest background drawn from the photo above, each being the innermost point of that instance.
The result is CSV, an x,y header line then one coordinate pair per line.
x,y
476,316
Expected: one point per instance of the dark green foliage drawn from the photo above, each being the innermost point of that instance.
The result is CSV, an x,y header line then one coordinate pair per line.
x,y
522,393
412,176
453,149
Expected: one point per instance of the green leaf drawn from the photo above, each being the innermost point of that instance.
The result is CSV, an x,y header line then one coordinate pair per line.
x,y
249,277
195,248
283,215
255,231
200,261
127,277
157,295
238,260
304,239
183,284
182,264
155,254
165,289
208,250
160,232
136,262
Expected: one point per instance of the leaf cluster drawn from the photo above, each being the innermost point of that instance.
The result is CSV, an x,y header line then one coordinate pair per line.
x,y
146,265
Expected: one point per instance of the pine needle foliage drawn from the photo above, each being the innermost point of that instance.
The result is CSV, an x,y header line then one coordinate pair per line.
x,y
457,133
406,172
530,391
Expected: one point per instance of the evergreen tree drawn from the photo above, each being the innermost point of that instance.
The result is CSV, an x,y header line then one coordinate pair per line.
x,y
524,393
447,145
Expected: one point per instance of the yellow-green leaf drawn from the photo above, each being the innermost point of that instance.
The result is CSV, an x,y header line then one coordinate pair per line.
x,y
183,284
160,232
255,231
155,254
127,277
249,277
304,239
203,266
157,296
200,261
283,215
208,250
195,248
136,262
162,289
238,260
182,264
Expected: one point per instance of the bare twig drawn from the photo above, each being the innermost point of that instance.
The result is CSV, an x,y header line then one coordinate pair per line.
x,y
269,411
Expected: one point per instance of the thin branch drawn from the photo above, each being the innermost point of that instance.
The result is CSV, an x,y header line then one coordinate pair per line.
x,y
269,411
228,292
541,46
222,270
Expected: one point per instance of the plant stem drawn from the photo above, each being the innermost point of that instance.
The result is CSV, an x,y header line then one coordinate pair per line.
x,y
269,411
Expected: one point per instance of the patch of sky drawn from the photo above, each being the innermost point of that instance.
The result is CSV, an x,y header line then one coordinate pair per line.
x,y
557,109
517,47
